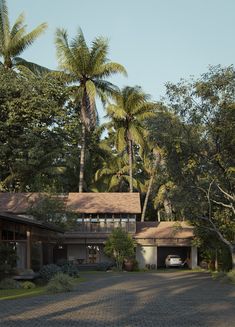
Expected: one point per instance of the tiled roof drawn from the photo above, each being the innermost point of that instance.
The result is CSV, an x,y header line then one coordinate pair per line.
x,y
17,202
164,229
104,202
76,202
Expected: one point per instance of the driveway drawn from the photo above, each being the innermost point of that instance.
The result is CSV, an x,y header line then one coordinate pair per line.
x,y
174,299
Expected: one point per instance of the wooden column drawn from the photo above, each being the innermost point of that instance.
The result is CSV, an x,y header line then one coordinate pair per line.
x,y
28,260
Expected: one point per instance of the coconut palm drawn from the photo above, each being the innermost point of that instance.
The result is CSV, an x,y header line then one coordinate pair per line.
x,y
150,166
114,174
128,113
86,69
13,41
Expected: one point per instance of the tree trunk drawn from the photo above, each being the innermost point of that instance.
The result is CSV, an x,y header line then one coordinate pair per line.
x,y
130,164
168,208
232,252
156,162
82,160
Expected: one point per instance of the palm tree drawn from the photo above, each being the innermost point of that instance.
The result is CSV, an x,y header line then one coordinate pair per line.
x,y
86,69
162,198
113,176
13,41
151,166
128,113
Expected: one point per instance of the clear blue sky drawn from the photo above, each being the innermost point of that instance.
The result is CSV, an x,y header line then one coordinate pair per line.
x,y
156,40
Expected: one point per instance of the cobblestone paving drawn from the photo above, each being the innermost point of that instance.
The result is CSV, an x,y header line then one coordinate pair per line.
x,y
172,299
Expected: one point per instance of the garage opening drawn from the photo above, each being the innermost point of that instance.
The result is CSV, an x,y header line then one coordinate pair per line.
x,y
164,251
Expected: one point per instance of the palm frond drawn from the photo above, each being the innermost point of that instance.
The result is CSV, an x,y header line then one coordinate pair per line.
x,y
36,69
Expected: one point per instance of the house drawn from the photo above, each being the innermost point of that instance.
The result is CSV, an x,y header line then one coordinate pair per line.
x,y
97,214
34,241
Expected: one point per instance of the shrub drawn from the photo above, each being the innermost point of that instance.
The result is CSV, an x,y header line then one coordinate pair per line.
x,y
48,271
60,283
27,285
104,266
8,260
8,283
119,246
231,276
70,269
218,274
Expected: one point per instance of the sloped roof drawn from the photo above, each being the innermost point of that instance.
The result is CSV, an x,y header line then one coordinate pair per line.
x,y
19,203
104,203
164,230
28,220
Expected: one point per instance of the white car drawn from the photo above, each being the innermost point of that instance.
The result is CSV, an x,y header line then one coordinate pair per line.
x,y
173,260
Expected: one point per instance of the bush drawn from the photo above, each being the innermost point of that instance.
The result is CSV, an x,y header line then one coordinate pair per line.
x,y
48,271
104,266
231,276
27,285
8,260
218,274
70,269
8,283
60,283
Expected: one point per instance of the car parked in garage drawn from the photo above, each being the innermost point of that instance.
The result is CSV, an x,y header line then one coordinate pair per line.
x,y
173,260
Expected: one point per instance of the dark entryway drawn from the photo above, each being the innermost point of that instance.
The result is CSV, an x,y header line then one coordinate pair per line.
x,y
164,251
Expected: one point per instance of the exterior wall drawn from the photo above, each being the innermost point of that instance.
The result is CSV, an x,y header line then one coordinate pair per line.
x,y
21,254
146,255
193,261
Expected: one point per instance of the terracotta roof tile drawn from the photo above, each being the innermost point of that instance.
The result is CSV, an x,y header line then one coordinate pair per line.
x,y
77,202
17,202
164,229
104,202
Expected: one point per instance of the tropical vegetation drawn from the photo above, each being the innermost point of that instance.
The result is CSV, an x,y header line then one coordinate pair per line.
x,y
178,153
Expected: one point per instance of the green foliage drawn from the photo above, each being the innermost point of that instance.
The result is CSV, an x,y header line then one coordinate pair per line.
x,y
231,276
13,41
60,283
70,269
27,285
119,246
49,271
8,260
8,283
49,209
33,118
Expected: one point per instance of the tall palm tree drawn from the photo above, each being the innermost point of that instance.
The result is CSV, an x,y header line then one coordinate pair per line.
x,y
151,166
86,69
128,113
13,41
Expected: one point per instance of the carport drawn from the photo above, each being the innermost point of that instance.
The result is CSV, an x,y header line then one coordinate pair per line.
x,y
155,240
163,251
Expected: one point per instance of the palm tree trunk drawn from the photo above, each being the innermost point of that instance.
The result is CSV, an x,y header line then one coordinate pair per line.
x,y
168,208
82,160
156,162
130,164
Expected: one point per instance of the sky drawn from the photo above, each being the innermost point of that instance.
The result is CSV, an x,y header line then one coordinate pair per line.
x,y
156,40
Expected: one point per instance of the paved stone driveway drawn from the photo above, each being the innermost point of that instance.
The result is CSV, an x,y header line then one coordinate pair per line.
x,y
172,299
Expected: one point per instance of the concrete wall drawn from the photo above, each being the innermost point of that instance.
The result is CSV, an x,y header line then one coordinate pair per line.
x,y
146,255
193,259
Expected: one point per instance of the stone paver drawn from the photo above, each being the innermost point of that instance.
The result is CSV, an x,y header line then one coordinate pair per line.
x,y
129,300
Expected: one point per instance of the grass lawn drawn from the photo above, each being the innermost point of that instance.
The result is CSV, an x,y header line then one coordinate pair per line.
x,y
12,294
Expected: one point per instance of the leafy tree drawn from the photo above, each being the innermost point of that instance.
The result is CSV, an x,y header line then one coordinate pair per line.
x,y
13,41
87,70
32,119
119,246
128,113
205,108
